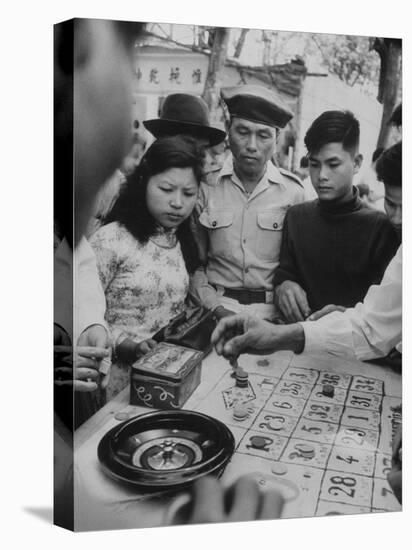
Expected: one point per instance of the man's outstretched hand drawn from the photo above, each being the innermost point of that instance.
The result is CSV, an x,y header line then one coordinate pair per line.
x,y
244,333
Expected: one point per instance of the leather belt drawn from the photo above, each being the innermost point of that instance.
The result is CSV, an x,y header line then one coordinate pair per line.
x,y
246,296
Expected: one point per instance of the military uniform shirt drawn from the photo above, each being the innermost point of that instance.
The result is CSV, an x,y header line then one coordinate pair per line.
x,y
239,234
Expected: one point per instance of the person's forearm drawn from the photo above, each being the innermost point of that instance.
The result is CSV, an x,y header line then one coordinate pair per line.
x,y
202,291
289,337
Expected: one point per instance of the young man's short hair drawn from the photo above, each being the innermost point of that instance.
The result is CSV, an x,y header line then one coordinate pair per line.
x,y
333,127
389,166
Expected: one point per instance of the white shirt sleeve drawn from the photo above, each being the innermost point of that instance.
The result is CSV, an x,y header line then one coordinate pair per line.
x,y
89,298
370,329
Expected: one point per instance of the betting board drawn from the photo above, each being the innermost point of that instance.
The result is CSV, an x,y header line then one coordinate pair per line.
x,y
327,455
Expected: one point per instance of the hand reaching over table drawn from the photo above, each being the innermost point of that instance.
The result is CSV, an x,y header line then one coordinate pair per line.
x,y
244,333
210,502
292,301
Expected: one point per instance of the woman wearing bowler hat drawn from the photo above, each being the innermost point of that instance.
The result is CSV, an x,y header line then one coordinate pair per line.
x,y
188,114
185,114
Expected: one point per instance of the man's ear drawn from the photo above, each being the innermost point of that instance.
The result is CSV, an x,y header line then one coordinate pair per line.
x,y
357,162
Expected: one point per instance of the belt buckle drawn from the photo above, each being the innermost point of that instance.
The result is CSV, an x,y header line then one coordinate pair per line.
x,y
269,296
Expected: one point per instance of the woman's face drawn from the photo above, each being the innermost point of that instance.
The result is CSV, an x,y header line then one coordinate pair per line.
x,y
171,196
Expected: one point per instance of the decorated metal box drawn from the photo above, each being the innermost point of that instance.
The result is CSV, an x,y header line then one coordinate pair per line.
x,y
165,377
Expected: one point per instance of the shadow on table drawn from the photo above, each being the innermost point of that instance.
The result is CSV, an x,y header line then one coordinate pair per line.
x,y
45,514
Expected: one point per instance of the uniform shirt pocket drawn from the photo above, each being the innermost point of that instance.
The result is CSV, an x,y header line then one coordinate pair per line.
x,y
269,233
219,225
216,219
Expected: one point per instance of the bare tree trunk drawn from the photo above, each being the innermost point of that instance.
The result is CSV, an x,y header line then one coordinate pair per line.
x,y
240,43
390,52
214,77
266,48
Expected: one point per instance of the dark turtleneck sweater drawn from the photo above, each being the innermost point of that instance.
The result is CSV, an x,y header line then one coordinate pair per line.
x,y
335,251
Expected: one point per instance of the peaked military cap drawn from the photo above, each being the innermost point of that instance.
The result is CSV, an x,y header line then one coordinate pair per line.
x,y
257,104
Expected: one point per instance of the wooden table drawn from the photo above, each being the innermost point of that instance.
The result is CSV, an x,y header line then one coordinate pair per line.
x,y
102,503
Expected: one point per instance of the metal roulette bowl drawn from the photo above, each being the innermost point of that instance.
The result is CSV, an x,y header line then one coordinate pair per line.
x,y
166,449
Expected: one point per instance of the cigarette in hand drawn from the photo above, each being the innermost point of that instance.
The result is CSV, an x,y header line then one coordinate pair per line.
x,y
105,365
104,371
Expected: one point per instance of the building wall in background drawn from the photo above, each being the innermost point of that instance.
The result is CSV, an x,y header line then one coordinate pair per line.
x,y
165,69
329,93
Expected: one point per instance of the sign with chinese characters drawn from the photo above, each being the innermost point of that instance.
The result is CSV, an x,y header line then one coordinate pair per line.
x,y
165,73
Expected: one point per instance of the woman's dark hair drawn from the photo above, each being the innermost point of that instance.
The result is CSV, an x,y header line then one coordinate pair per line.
x,y
130,209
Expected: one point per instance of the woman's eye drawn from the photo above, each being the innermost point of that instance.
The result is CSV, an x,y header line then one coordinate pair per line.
x,y
166,189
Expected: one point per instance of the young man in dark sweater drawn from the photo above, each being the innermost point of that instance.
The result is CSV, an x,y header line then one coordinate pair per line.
x,y
333,248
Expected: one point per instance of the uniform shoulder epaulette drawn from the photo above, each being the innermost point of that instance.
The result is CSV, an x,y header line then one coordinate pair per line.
x,y
291,175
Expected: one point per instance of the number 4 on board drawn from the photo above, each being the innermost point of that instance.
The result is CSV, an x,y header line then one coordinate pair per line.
x,y
349,459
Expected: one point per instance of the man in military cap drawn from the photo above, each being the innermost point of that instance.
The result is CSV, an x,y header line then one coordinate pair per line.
x,y
241,209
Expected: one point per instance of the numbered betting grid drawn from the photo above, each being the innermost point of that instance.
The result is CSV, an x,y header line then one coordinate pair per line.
x,y
330,454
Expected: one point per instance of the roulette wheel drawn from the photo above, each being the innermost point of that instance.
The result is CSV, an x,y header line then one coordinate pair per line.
x,y
166,449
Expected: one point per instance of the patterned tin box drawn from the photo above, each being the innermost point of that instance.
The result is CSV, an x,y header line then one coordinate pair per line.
x,y
165,377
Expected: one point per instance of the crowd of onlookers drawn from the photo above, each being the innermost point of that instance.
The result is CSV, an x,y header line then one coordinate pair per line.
x,y
176,226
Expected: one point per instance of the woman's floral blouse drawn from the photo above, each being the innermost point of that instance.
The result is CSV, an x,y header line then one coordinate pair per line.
x,y
146,285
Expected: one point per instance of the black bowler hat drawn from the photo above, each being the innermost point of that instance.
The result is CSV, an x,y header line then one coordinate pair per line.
x,y
257,104
184,114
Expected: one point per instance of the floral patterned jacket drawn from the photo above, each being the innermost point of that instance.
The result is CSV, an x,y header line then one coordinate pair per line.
x,y
146,285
